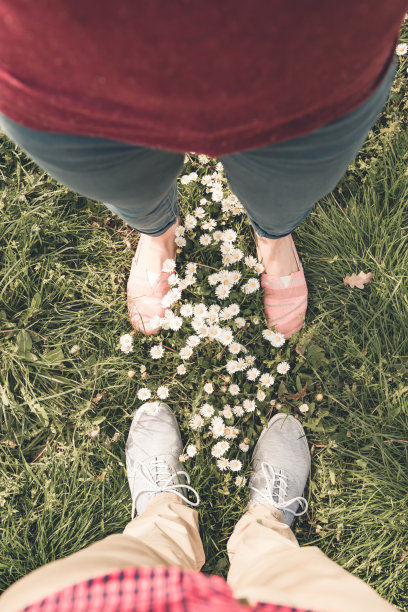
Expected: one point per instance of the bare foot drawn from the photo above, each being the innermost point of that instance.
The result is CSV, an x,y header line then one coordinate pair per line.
x,y
277,255
154,250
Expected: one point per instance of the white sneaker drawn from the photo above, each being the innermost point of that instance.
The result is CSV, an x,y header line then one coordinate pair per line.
x,y
152,457
281,465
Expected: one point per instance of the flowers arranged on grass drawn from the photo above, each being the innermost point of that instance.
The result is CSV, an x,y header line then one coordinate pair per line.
x,y
213,358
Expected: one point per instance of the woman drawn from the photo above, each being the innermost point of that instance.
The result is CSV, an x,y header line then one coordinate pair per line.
x,y
108,97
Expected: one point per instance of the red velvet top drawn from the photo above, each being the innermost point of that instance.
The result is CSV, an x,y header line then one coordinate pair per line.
x,y
211,77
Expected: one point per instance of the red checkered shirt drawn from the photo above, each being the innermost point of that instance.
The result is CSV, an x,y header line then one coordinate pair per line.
x,y
150,589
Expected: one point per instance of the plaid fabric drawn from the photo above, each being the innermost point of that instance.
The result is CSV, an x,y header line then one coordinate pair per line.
x,y
150,589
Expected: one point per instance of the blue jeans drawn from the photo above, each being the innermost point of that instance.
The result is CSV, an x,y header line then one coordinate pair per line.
x,y
277,184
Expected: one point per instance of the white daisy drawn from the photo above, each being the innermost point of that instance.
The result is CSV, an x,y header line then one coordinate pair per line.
x,y
217,235
240,322
240,481
207,411
180,230
203,202
157,351
209,387
209,225
304,408
233,389
229,235
237,255
219,167
186,310
259,269
235,465
205,239
222,292
191,268
213,279
153,408
197,322
171,297
196,422
190,222
227,412
212,317
231,432
191,450
186,352
214,332
222,463
401,49
249,405
206,179
203,159
203,331
214,309
227,248
226,337
234,277
200,310
144,393
182,458
225,314
283,367
176,323
235,348
169,265
234,309
199,212
174,279
241,364
220,448
181,369
217,428
250,261
260,395
277,340
238,411
250,286
188,280
185,179
193,341
250,360
244,447
252,374
231,366
180,241
163,392
266,380
227,260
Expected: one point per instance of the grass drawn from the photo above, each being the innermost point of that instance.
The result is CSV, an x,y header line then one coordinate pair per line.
x,y
65,415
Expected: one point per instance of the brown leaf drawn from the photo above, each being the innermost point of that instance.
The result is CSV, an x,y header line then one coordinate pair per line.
x,y
358,280
299,395
300,349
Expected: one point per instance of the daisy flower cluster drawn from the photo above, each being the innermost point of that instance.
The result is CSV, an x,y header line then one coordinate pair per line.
x,y
209,339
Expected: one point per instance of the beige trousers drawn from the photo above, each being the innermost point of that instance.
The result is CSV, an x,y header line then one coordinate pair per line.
x,y
267,564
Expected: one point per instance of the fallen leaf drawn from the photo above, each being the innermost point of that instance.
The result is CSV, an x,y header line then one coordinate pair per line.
x,y
297,396
358,280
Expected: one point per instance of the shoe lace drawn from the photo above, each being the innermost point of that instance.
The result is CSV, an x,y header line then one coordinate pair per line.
x,y
162,482
276,485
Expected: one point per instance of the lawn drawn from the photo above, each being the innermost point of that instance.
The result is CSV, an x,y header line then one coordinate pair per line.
x,y
68,391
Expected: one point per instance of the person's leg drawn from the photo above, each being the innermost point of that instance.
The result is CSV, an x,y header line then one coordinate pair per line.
x,y
166,534
137,183
165,531
280,183
267,564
